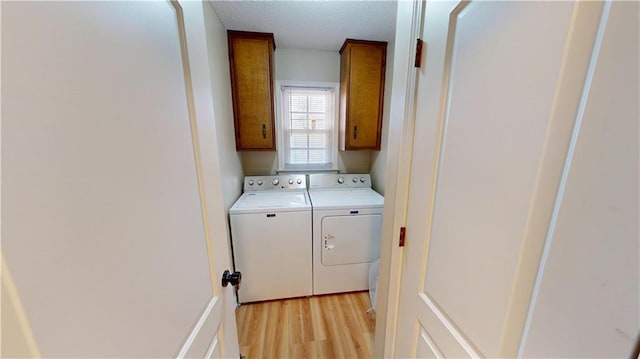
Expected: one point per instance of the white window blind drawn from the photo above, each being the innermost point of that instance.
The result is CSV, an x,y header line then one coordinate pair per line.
x,y
308,116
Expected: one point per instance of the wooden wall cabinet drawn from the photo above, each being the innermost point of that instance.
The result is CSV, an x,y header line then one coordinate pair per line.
x,y
362,72
251,68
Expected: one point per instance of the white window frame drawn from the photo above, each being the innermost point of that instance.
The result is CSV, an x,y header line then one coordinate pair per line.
x,y
280,122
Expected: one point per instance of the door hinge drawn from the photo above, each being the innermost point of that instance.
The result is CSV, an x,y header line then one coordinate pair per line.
x,y
403,232
418,61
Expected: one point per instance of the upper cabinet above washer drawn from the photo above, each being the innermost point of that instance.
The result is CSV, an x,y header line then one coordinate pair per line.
x,y
362,73
251,68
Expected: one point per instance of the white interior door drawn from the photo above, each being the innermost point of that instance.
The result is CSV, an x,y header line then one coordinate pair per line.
x,y
501,96
113,226
214,335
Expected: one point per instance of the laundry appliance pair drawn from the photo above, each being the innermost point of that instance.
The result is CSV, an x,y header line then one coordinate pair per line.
x,y
290,242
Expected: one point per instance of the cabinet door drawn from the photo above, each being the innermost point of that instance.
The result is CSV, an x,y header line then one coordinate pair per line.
x,y
251,67
363,73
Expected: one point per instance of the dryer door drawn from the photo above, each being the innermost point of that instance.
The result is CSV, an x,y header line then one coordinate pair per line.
x,y
350,239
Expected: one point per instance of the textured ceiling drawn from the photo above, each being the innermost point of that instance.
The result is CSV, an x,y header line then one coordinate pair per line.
x,y
321,25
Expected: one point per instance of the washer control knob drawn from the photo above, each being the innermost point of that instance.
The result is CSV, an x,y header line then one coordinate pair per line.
x,y
299,181
362,179
259,182
250,182
354,180
290,180
275,182
341,180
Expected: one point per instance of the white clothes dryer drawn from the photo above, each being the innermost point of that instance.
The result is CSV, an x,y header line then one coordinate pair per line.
x,y
347,225
271,238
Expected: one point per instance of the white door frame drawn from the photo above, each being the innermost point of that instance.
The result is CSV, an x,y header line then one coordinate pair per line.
x,y
409,24
221,307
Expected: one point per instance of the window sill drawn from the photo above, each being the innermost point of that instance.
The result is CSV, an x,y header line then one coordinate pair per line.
x,y
307,171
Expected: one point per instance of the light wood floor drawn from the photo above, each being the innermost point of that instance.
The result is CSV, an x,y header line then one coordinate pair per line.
x,y
328,326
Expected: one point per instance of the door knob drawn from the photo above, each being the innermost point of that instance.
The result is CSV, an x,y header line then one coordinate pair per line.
x,y
234,278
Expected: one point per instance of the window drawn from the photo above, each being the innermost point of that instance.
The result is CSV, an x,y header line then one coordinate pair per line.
x,y
307,123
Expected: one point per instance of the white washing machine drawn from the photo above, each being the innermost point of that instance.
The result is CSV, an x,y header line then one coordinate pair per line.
x,y
347,225
271,238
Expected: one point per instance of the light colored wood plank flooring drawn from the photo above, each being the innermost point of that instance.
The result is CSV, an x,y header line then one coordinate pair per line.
x,y
327,326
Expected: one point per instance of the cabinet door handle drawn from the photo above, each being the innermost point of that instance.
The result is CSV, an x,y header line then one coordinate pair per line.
x,y
355,132
264,131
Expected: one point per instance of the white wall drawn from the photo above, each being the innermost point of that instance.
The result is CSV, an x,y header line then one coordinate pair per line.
x,y
230,162
101,221
305,65
379,158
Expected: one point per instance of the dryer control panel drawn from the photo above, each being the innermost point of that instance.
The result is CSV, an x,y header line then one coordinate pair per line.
x,y
275,182
340,180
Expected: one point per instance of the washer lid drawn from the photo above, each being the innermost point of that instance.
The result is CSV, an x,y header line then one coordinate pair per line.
x,y
271,201
350,198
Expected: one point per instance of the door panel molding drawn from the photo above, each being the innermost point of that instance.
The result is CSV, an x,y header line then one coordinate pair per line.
x,y
571,92
427,347
209,315
441,133
214,349
597,226
451,341
19,341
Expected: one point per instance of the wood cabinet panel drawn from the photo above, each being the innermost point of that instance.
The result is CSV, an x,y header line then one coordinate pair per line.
x,y
362,73
251,68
